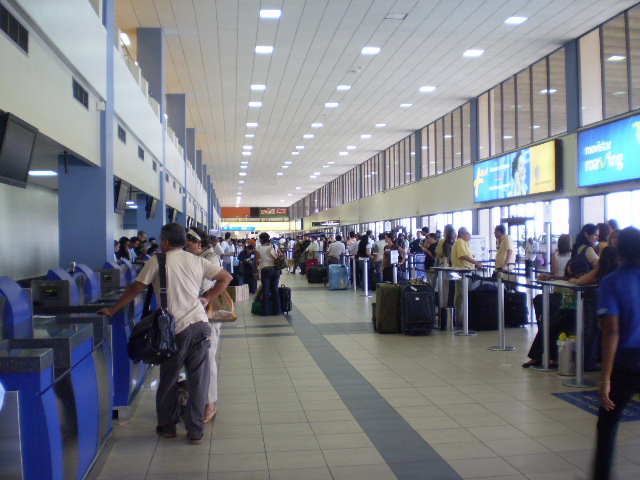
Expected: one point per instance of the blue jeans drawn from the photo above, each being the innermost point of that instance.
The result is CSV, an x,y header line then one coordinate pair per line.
x,y
226,266
270,278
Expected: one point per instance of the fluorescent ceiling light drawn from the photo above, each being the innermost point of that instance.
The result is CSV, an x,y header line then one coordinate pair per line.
x,y
413,153
241,181
239,193
427,89
280,174
244,166
548,92
270,13
42,173
133,207
406,105
343,88
312,176
515,20
473,53
316,125
325,166
316,173
331,163
264,49
130,202
307,136
380,125
299,147
536,126
616,58
365,136
331,105
448,136
507,137
370,51
288,162
247,147
396,16
351,147
252,125
246,154
243,174
285,166
289,194
281,200
295,153
343,154
255,104
258,88
298,188
125,39
244,163
249,135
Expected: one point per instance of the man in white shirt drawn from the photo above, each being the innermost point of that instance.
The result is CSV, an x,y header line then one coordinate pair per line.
x,y
185,273
378,255
227,252
334,251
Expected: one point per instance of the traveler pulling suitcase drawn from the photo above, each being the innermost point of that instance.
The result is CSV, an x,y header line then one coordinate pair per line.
x,y
285,298
317,274
387,313
338,277
417,308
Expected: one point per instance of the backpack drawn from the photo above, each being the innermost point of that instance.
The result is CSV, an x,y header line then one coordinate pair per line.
x,y
577,265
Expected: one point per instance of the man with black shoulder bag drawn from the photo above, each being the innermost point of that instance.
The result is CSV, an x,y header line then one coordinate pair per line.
x,y
184,275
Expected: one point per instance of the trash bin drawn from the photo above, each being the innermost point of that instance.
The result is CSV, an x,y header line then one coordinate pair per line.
x,y
447,318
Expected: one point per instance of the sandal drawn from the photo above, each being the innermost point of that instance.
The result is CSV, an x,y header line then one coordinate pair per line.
x,y
210,416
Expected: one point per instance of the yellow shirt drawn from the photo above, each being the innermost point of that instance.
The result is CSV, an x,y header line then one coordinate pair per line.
x,y
460,249
506,244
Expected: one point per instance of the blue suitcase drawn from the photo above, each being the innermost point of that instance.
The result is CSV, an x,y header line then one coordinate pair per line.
x,y
338,277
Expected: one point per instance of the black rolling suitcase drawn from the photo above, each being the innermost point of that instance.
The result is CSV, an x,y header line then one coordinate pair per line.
x,y
483,308
516,311
417,309
317,274
285,298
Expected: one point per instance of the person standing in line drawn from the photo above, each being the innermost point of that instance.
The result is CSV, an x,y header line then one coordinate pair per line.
x,y
506,254
227,252
185,273
461,257
265,257
217,249
619,309
334,251
531,248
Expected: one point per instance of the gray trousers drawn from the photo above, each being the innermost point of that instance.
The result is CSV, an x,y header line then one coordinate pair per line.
x,y
193,353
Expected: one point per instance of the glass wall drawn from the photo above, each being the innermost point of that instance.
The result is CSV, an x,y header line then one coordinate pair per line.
x,y
621,206
400,168
372,175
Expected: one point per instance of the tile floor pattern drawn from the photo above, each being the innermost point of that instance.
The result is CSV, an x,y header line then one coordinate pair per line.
x,y
319,396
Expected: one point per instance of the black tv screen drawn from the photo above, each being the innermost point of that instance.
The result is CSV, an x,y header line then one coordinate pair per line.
x,y
120,194
152,203
17,139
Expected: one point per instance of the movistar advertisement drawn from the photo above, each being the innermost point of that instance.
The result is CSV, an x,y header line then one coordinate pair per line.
x,y
525,172
609,153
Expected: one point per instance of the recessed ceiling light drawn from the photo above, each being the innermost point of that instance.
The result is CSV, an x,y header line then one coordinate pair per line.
x,y
343,88
247,147
295,153
240,181
365,136
258,87
473,53
515,20
252,125
551,91
42,173
289,194
316,173
380,125
299,147
427,89
298,188
133,207
255,104
249,135
619,93
370,51
270,13
325,166
285,166
281,200
243,174
130,202
507,137
312,176
244,163
308,136
264,49
331,105
244,166
280,174
448,136
288,162
536,126
413,153
343,154
406,105
316,125
331,163
125,39
239,193
616,58
246,154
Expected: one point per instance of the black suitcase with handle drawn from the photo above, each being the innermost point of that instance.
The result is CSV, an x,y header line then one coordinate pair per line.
x,y
417,309
285,298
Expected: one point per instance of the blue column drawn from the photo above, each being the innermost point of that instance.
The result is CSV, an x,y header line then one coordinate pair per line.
x,y
190,149
572,73
198,165
85,193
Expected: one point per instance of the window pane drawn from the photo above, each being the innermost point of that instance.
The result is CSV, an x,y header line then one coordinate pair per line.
x,y
432,150
424,140
593,209
466,134
496,121
457,138
509,112
558,83
483,126
614,55
618,207
540,101
524,107
439,145
634,44
448,142
590,79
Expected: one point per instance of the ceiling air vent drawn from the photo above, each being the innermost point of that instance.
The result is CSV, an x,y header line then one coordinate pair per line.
x,y
14,29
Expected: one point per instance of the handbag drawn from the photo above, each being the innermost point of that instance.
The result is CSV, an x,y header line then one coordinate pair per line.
x,y
280,263
221,309
153,339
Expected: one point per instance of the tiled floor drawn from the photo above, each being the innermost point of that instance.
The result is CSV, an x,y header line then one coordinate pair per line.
x,y
318,395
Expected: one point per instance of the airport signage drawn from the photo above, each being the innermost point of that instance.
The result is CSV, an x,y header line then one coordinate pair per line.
x,y
525,172
326,223
238,228
609,153
274,212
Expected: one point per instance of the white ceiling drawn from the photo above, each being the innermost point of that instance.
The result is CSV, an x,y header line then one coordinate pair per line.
x,y
210,58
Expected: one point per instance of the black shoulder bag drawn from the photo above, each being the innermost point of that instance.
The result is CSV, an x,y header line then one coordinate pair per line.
x,y
153,339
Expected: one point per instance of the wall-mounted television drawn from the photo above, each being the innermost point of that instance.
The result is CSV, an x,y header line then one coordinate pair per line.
x,y
150,207
17,139
120,196
528,171
609,153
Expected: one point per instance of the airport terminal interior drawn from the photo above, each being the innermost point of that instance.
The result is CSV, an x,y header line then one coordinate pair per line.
x,y
312,118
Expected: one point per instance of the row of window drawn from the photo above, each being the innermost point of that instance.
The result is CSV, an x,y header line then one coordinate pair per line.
x,y
526,108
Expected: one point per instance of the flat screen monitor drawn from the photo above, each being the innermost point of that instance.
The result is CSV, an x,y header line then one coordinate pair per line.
x,y
527,171
152,203
17,139
609,153
120,194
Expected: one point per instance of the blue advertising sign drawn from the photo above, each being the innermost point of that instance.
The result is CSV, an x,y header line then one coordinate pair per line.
x,y
609,153
525,172
237,228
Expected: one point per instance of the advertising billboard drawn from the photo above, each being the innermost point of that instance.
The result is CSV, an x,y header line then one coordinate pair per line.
x,y
516,174
609,153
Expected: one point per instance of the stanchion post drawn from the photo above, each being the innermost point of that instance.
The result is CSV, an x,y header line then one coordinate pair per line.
x,y
465,307
353,273
395,273
231,264
579,380
365,274
413,266
501,331
546,291
440,287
